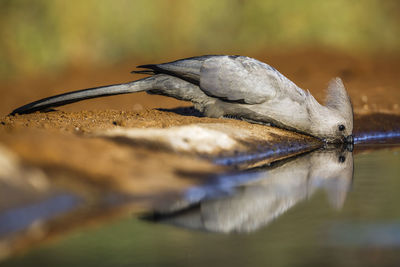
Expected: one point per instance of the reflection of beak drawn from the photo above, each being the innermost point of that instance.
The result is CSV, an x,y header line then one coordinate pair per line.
x,y
349,139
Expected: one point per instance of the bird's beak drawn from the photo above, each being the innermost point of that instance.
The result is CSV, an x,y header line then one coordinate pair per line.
x,y
349,139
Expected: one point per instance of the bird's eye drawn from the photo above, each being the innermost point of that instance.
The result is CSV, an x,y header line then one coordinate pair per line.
x,y
341,127
342,159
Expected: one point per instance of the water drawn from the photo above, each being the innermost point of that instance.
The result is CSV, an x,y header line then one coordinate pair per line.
x,y
319,209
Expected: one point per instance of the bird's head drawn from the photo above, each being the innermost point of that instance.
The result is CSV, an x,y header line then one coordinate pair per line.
x,y
334,121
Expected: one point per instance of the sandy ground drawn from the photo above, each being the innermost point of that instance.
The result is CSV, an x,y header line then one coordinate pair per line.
x,y
60,152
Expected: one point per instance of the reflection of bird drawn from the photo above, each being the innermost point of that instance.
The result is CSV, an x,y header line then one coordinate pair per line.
x,y
266,195
234,86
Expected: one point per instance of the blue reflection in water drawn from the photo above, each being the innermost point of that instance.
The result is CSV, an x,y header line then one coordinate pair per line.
x,y
18,219
277,150
375,136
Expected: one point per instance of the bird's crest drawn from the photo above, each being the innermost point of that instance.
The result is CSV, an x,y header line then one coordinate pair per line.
x,y
338,99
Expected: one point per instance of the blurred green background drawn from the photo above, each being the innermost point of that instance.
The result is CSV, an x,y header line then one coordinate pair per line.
x,y
48,35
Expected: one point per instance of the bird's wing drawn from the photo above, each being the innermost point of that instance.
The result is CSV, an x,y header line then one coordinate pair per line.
x,y
241,79
232,78
187,69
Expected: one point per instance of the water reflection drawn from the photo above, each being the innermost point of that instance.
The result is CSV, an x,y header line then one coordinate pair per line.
x,y
246,201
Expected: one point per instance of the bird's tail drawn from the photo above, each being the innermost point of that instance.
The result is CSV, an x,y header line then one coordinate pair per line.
x,y
75,96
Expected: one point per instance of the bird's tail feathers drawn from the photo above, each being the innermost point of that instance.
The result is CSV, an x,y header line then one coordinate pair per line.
x,y
75,96
148,72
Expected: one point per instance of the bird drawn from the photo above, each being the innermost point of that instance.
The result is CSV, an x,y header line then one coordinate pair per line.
x,y
232,86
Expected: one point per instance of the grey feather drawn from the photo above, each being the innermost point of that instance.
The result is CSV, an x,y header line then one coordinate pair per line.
x,y
241,79
188,68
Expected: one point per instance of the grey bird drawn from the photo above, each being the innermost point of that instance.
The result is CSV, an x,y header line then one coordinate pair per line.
x,y
233,86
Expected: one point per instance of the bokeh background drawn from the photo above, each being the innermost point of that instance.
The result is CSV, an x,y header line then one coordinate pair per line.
x,y
47,36
49,47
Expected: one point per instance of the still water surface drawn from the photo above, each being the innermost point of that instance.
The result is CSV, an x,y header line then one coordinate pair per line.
x,y
319,209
